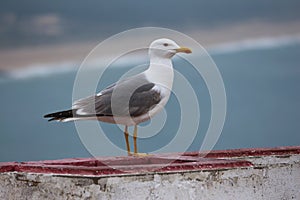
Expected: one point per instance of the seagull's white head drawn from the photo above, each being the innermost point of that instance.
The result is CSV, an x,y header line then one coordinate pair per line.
x,y
166,48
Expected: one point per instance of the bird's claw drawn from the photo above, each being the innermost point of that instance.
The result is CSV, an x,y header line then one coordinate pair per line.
x,y
138,154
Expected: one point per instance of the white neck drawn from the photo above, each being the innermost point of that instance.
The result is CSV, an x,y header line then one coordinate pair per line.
x,y
160,71
160,61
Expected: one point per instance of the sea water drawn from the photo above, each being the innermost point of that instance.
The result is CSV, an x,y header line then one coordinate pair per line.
x,y
262,85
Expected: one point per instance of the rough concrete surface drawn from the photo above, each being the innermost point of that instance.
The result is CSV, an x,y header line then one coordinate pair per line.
x,y
271,177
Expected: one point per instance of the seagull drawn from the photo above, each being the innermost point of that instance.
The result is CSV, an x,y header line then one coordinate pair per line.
x,y
132,100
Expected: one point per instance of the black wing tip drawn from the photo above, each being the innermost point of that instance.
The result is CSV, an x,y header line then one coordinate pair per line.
x,y
59,115
48,115
51,116
52,119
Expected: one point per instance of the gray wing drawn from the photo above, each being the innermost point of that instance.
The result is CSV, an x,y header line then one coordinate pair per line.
x,y
143,100
134,95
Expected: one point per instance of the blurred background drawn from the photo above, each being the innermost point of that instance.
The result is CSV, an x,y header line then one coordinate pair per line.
x,y
255,44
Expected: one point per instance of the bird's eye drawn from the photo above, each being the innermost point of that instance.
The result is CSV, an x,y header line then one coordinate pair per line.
x,y
166,44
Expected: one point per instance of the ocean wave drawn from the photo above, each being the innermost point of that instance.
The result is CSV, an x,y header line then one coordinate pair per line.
x,y
254,44
50,69
40,70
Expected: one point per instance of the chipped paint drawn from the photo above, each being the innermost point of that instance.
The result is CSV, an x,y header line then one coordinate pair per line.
x,y
270,176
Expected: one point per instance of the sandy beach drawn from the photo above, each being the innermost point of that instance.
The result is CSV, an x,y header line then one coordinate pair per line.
x,y
77,51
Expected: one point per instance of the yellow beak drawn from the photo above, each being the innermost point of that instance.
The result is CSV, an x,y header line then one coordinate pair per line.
x,y
183,50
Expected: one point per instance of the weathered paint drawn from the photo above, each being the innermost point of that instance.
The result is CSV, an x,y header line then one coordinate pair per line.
x,y
234,174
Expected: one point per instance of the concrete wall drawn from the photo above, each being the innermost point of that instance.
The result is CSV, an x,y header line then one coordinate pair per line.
x,y
270,177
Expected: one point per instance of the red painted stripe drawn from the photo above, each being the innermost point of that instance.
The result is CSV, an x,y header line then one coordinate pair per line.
x,y
170,162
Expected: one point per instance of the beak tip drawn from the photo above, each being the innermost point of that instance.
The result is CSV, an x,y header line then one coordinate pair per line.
x,y
184,50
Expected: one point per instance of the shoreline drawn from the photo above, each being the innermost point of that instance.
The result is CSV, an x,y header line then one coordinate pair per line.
x,y
22,58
